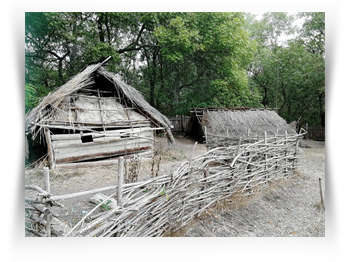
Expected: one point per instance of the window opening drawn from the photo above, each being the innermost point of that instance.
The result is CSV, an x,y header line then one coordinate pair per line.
x,y
87,139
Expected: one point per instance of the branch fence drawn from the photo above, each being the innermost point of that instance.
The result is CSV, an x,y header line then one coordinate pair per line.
x,y
164,204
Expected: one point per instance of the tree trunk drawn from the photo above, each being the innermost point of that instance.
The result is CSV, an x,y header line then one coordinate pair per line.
x,y
100,30
151,93
60,75
322,113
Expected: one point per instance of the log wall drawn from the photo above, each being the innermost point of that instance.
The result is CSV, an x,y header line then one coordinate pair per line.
x,y
72,148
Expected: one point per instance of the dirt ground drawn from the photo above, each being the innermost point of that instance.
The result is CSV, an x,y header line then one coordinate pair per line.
x,y
291,208
84,179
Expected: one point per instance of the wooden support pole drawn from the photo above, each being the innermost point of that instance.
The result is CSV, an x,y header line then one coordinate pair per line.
x,y
47,179
285,153
322,202
100,107
120,180
49,148
48,205
266,152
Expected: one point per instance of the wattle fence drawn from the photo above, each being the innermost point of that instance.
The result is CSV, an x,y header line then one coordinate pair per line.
x,y
164,204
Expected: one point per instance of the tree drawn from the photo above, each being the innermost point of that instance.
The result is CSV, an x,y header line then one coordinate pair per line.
x,y
290,74
177,60
202,57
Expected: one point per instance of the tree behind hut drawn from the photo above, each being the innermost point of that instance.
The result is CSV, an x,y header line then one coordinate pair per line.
x,y
177,60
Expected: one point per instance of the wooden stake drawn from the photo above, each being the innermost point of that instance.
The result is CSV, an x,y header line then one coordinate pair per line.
x,y
266,150
47,179
322,202
49,148
285,153
120,180
48,205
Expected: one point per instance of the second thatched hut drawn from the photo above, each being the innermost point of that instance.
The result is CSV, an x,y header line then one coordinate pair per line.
x,y
226,126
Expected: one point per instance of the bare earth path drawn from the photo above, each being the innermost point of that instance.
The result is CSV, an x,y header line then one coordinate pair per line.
x,y
290,209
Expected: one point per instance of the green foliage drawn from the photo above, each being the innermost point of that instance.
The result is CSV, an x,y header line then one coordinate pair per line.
x,y
163,192
178,59
290,75
201,54
184,60
30,95
106,206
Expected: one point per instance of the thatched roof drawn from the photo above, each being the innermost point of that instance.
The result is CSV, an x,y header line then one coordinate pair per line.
x,y
49,105
244,123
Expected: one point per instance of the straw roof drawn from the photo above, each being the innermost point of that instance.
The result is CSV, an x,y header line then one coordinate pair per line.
x,y
49,105
244,123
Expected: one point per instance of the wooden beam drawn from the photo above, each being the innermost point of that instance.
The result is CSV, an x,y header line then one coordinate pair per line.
x,y
94,155
100,107
49,148
84,193
98,163
120,180
100,140
97,134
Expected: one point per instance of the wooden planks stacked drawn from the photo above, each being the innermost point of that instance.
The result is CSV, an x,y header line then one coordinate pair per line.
x,y
70,148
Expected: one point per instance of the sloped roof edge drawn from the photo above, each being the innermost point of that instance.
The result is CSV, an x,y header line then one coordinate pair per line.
x,y
85,78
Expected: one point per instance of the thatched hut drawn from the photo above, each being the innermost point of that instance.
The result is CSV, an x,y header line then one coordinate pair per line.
x,y
223,126
94,117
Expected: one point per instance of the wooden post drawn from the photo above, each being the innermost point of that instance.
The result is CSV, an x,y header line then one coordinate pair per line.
x,y
48,205
49,148
182,123
100,107
205,133
322,202
120,180
47,179
26,146
266,153
285,154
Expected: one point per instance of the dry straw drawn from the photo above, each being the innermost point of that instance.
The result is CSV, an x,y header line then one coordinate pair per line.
x,y
56,105
225,127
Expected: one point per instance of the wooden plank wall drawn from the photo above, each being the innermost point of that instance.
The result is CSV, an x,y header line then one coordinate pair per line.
x,y
179,123
316,133
69,148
